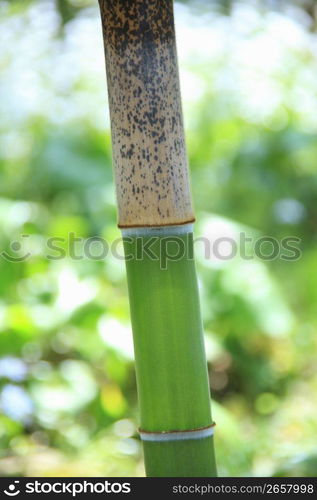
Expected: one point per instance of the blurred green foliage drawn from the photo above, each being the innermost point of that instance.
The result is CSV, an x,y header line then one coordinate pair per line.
x,y
67,385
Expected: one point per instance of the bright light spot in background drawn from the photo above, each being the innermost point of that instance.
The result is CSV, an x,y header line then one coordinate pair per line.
x,y
13,368
76,389
221,240
116,335
73,292
19,213
124,428
15,403
289,211
129,446
79,375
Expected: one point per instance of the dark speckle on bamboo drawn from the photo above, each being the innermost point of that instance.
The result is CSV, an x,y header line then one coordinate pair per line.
x,y
149,151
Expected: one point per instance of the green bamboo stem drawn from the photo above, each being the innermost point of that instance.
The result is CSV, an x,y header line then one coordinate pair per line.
x,y
155,214
169,352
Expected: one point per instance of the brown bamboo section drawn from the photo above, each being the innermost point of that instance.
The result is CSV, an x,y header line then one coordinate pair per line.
x,y
149,151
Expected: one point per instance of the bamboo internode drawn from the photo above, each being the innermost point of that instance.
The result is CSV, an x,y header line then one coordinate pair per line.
x,y
149,153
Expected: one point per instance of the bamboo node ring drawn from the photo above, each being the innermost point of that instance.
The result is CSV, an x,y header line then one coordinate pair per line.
x,y
182,435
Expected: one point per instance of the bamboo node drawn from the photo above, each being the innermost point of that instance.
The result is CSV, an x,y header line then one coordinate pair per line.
x,y
178,435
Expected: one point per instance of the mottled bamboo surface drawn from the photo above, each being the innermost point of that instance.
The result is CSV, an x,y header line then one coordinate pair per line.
x,y
149,152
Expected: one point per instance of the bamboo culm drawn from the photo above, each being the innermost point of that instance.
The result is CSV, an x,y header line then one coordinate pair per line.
x,y
156,218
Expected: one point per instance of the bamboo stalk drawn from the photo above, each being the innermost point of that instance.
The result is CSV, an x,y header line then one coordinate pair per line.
x,y
155,214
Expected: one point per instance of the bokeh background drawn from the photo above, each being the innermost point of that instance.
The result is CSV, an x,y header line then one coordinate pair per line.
x,y
67,386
